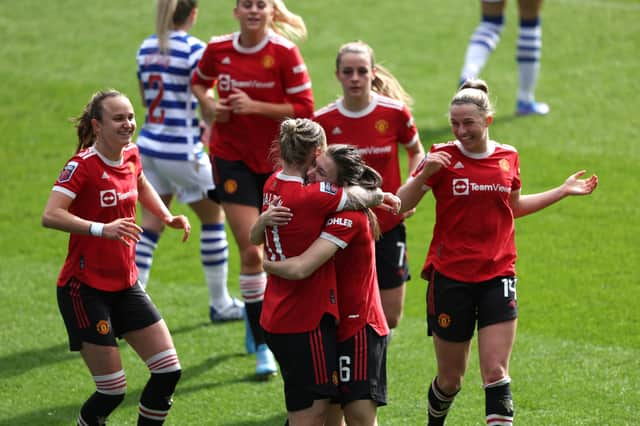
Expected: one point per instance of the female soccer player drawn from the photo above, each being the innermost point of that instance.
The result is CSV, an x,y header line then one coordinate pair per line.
x,y
486,37
470,265
260,78
172,154
362,345
100,298
373,115
299,317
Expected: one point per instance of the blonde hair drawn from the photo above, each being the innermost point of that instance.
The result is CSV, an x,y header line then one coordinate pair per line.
x,y
474,92
299,138
287,23
169,15
384,83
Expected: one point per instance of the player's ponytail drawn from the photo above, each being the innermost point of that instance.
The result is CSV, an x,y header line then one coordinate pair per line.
x,y
286,23
84,128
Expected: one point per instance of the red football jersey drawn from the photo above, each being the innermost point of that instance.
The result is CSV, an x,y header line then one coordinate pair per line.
x,y
297,306
272,71
474,234
376,131
102,191
359,300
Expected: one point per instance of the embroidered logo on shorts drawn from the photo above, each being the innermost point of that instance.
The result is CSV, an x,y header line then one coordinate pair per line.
x,y
444,320
334,378
230,186
103,327
67,172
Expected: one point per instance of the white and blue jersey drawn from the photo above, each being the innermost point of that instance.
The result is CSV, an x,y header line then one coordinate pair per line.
x,y
171,129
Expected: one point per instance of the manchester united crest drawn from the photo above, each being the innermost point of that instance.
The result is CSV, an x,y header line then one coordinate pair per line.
x,y
382,126
268,61
103,327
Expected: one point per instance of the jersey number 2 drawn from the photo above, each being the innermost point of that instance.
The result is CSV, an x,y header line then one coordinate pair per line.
x,y
155,82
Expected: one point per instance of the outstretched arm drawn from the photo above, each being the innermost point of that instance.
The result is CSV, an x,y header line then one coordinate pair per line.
x,y
300,267
151,201
359,198
413,190
522,205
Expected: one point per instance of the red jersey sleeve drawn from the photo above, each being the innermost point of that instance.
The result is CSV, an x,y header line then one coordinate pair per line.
x,y
297,83
407,131
206,73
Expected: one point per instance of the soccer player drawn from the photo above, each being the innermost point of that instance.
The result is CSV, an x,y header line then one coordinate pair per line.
x,y
99,295
299,317
470,265
172,154
260,78
485,39
373,115
362,345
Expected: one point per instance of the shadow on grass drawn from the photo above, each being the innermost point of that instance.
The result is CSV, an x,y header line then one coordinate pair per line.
x,y
67,414
18,363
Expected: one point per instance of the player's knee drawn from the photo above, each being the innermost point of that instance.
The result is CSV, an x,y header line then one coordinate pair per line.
x,y
251,257
493,374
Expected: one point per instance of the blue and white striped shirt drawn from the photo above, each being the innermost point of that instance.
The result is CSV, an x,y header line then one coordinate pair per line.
x,y
170,130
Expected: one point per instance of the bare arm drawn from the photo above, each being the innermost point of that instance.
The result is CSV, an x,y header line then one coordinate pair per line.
x,y
413,190
415,155
151,201
522,205
359,198
300,267
275,215
56,215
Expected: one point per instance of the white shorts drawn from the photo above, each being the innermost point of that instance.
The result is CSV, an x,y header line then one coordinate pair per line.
x,y
189,180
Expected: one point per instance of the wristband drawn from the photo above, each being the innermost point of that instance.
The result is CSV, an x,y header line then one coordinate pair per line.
x,y
96,229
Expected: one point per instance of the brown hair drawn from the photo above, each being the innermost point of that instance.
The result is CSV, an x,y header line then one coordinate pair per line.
x,y
86,136
384,83
474,92
352,170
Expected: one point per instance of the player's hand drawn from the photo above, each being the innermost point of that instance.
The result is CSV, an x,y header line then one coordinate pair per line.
x,y
124,230
240,102
391,202
276,214
576,186
179,222
433,162
222,111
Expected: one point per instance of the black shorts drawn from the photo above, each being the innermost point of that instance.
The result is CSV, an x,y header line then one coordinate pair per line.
x,y
454,307
391,258
362,367
307,364
235,183
98,317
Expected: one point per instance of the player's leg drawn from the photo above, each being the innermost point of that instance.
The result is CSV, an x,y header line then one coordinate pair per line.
x,y
87,318
392,268
111,384
214,254
152,225
155,347
451,316
497,313
494,345
484,39
529,50
253,280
